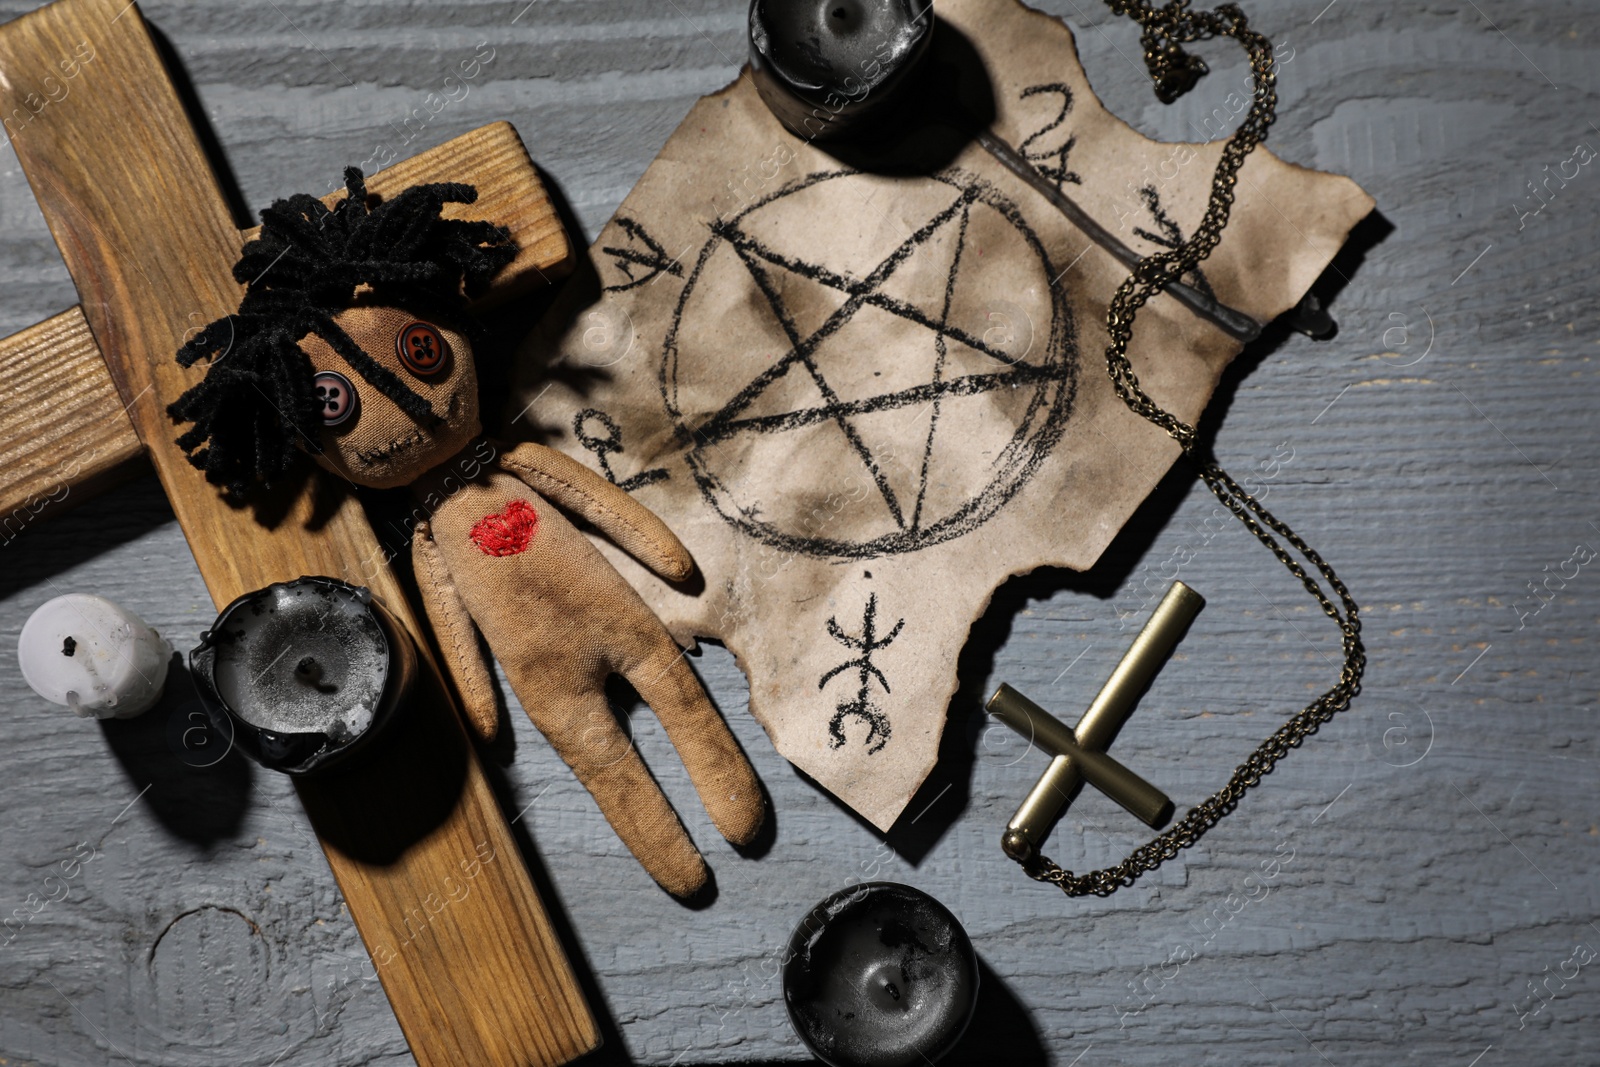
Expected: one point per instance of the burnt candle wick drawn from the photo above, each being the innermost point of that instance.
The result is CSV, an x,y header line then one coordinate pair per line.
x,y
885,991
844,17
308,670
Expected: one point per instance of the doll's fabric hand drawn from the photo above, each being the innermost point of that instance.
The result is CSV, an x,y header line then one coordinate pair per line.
x,y
561,620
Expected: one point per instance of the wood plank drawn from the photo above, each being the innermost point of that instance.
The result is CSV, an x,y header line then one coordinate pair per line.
x,y
123,184
65,435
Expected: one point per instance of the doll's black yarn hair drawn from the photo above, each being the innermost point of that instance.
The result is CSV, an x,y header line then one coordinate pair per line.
x,y
257,405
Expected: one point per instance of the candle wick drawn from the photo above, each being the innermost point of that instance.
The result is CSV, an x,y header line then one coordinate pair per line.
x,y
891,989
310,670
69,646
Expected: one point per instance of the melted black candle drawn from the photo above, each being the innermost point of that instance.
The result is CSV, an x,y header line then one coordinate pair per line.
x,y
303,671
880,974
825,66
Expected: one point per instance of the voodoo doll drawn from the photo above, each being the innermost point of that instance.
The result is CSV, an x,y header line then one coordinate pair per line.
x,y
352,343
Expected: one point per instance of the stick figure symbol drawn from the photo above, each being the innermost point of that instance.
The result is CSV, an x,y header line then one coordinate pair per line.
x,y
861,707
603,447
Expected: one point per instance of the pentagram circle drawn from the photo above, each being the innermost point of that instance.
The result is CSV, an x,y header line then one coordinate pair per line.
x,y
877,406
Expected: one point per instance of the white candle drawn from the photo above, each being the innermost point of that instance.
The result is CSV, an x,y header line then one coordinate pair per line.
x,y
93,656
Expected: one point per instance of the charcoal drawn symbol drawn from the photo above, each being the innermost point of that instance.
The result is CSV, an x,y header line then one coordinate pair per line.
x,y
604,447
1170,236
861,706
812,400
1056,171
651,259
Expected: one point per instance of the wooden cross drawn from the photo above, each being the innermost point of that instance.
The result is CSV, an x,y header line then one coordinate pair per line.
x,y
1079,754
147,236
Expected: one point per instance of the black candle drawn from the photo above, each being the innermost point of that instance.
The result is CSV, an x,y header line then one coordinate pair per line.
x,y
825,66
880,975
303,672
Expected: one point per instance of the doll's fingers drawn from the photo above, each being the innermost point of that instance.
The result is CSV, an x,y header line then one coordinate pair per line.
x,y
584,731
717,766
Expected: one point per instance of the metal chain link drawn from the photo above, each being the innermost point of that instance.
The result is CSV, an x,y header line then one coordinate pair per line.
x,y
1166,29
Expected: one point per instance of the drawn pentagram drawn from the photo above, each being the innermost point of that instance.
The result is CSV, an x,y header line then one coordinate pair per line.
x,y
875,392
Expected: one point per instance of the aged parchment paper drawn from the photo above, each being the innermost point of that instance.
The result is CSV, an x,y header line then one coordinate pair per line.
x,y
865,399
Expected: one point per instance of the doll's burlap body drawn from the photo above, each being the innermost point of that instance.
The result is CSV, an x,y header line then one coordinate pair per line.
x,y
352,343
560,620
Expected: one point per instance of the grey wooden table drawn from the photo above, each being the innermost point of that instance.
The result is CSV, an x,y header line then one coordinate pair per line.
x,y
1433,898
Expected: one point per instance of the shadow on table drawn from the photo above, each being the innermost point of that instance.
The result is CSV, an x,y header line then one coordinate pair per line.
x,y
190,778
1001,1030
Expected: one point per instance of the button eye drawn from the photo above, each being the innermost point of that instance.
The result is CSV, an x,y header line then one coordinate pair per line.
x,y
336,395
422,348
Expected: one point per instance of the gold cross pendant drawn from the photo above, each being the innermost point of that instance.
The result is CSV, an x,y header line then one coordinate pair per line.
x,y
1079,754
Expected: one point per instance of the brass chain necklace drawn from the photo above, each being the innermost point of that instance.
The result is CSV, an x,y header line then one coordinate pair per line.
x,y
1166,29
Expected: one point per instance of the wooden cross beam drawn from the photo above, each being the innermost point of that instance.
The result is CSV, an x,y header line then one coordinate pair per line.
x,y
421,851
1078,754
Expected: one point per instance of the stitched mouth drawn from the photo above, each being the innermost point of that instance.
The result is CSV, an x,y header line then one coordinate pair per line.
x,y
373,457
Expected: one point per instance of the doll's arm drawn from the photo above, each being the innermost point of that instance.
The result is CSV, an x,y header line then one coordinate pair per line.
x,y
458,637
634,527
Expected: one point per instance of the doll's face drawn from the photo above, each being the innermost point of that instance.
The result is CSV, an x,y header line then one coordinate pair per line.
x,y
366,436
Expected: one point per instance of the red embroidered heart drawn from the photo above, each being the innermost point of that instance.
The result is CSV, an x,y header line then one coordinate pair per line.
x,y
507,533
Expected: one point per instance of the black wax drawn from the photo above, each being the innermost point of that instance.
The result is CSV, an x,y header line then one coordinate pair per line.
x,y
825,66
302,672
880,975
303,657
